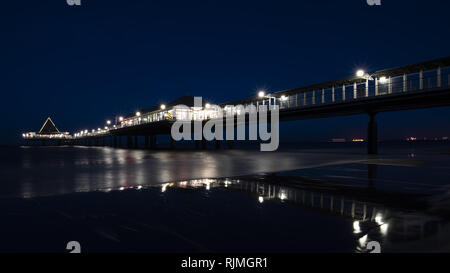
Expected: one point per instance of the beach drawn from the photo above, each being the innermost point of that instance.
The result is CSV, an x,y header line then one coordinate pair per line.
x,y
316,199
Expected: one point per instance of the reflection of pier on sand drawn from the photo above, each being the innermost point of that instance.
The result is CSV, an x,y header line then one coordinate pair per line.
x,y
398,221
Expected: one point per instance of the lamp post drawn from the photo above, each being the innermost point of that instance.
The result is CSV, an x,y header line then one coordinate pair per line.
x,y
262,94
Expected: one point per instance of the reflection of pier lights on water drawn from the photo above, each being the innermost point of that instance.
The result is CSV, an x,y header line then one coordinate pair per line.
x,y
370,220
336,204
339,205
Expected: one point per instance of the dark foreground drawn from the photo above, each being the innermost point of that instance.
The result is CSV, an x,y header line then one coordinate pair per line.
x,y
252,214
399,201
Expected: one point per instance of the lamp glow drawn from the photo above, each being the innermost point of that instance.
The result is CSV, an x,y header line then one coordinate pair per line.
x,y
261,94
379,219
163,106
362,241
138,114
360,73
383,80
356,227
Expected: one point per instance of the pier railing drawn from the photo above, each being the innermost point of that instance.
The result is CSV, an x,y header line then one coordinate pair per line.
x,y
358,88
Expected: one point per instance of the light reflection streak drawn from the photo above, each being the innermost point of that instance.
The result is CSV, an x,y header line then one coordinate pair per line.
x,y
369,221
125,169
362,241
164,187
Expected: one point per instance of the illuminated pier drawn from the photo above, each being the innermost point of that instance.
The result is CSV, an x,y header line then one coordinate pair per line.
x,y
415,86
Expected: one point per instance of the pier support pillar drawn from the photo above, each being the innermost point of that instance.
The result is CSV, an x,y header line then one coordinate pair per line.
x,y
146,141
114,141
230,144
153,142
372,135
129,142
203,144
136,143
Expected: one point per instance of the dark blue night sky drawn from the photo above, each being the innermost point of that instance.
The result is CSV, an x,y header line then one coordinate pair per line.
x,y
83,65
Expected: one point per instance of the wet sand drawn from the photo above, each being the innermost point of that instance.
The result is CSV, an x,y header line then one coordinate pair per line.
x,y
247,214
43,171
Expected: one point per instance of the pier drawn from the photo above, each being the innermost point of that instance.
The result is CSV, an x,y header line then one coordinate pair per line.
x,y
414,86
